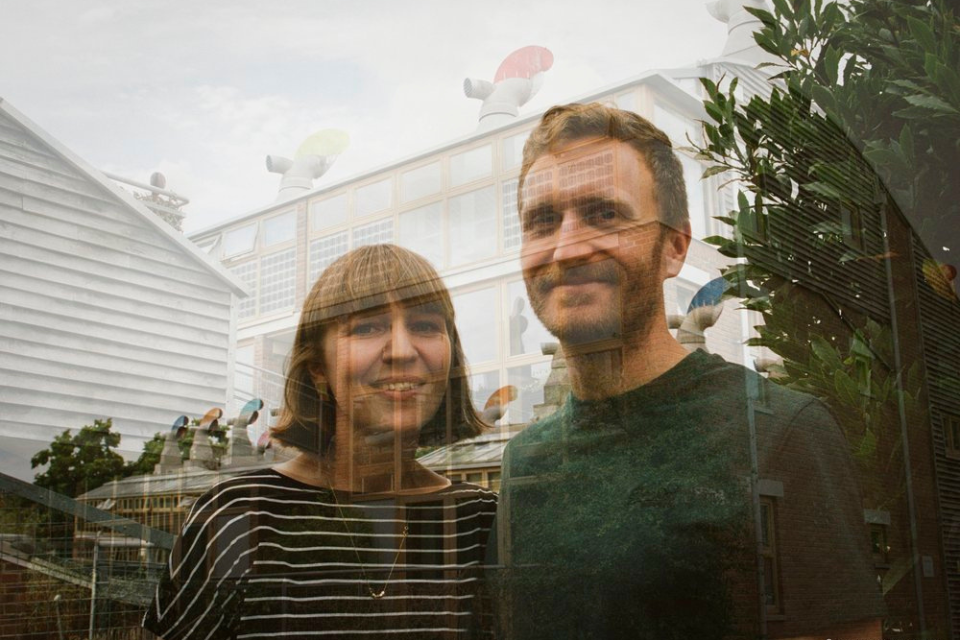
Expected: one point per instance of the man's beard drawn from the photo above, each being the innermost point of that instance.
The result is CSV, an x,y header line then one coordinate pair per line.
x,y
632,312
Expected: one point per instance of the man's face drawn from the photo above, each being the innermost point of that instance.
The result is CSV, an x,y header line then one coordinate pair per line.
x,y
592,242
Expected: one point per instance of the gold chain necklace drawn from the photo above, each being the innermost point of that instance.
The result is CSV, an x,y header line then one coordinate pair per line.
x,y
376,595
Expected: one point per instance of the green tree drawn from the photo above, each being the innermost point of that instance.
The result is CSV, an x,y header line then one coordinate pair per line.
x,y
148,459
82,462
863,124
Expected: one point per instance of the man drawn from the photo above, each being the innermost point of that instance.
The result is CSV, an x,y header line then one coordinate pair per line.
x,y
673,495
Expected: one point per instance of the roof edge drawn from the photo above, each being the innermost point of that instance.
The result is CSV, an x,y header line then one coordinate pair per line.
x,y
234,284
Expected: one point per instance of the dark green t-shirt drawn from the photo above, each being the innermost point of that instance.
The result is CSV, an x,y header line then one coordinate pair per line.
x,y
632,517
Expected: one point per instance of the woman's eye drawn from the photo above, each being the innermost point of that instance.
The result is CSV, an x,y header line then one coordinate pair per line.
x,y
366,328
427,327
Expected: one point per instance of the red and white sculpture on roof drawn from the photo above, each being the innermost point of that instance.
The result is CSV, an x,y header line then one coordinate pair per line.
x,y
517,80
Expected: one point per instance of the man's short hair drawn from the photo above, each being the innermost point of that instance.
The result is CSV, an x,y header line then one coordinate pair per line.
x,y
563,124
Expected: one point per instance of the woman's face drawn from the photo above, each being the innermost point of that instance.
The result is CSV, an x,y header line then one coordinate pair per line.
x,y
391,366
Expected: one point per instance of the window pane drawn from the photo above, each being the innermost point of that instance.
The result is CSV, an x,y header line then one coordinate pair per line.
x,y
240,240
243,376
511,218
528,380
282,228
513,150
473,226
247,273
421,230
324,251
328,213
470,165
377,232
477,324
278,273
526,333
210,246
420,182
374,197
482,386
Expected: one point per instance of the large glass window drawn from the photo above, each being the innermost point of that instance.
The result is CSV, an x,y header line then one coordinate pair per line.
x,y
528,380
374,197
324,251
374,233
473,226
281,228
421,230
420,182
328,212
511,217
471,165
241,240
525,331
247,273
477,315
513,150
482,386
278,275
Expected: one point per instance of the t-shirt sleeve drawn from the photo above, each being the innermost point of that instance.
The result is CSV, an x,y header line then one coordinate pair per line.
x,y
826,571
198,594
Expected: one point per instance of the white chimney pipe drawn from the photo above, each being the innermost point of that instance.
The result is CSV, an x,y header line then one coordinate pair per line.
x,y
298,175
741,25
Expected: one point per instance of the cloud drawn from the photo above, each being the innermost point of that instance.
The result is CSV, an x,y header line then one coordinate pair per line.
x,y
211,90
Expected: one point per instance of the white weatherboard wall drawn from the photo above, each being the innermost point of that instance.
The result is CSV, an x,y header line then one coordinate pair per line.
x,y
105,312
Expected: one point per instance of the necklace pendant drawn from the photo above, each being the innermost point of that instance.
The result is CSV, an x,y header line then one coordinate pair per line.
x,y
376,595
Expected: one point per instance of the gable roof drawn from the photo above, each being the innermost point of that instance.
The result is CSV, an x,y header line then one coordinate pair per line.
x,y
136,207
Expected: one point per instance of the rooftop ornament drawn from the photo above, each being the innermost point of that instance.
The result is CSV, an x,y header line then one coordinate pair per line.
x,y
518,79
313,158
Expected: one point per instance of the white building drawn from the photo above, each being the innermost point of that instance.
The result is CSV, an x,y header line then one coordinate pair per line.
x,y
105,310
456,205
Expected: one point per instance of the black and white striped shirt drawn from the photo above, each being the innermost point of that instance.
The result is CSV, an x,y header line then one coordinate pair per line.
x,y
264,556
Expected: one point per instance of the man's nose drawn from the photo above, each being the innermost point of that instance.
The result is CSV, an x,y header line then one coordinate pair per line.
x,y
574,240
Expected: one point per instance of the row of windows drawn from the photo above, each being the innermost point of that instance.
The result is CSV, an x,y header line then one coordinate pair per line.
x,y
329,212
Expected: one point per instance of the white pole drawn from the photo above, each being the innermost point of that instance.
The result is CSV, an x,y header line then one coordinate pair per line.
x,y
93,584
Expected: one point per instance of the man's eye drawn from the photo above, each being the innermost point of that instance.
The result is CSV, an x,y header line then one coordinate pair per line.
x,y
540,222
601,215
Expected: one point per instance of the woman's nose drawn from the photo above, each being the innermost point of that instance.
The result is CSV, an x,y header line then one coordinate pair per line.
x,y
399,344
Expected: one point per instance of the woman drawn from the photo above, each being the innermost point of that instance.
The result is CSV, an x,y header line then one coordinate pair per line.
x,y
351,537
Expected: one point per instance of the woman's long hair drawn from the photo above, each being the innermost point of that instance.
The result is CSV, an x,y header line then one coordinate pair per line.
x,y
368,278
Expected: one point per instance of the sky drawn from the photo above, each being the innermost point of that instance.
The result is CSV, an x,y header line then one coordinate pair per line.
x,y
203,91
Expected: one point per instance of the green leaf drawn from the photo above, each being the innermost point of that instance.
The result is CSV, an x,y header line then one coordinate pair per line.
x,y
847,389
714,170
826,353
923,34
713,111
932,103
831,66
868,445
906,144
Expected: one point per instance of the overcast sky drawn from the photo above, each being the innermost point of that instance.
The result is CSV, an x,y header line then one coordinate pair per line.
x,y
202,91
